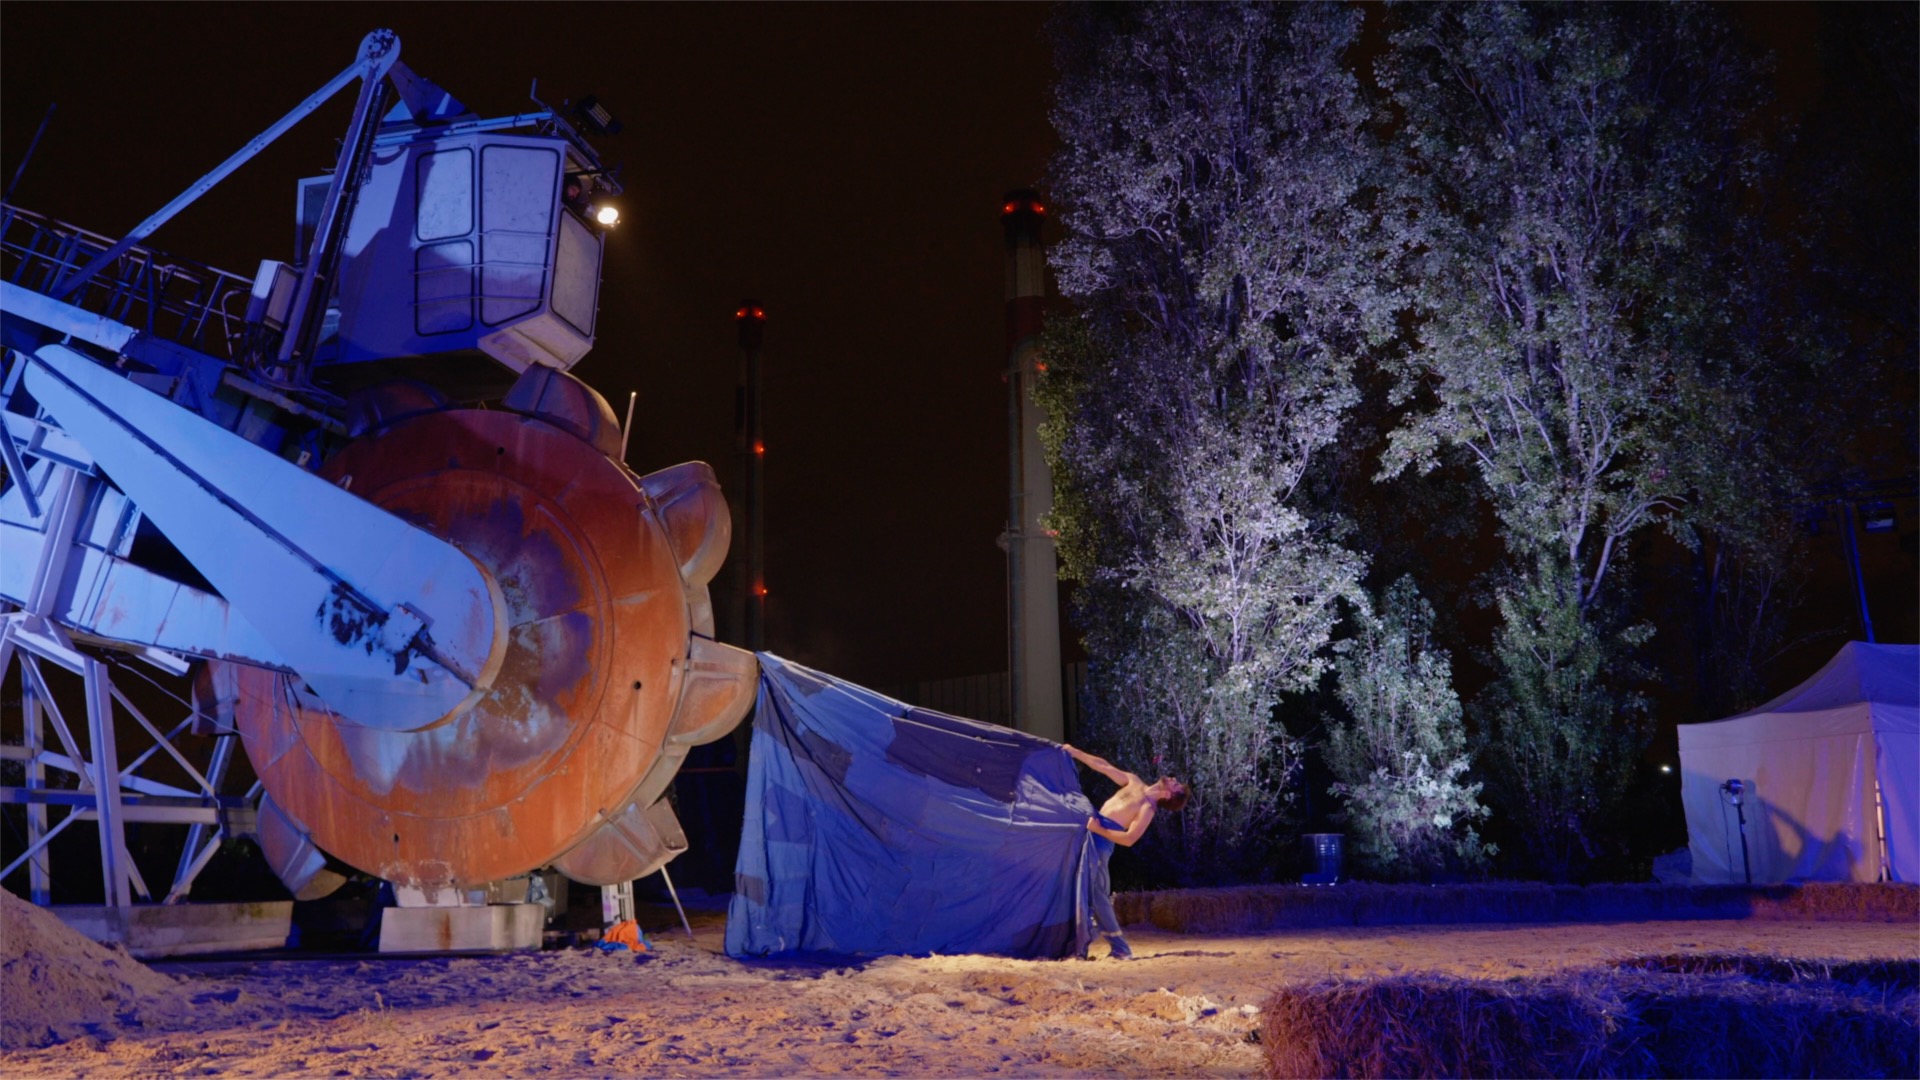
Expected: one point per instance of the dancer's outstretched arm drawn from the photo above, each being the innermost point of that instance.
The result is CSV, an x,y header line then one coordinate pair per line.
x,y
1102,766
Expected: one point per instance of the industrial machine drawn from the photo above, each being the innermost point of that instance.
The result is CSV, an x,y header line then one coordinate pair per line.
x,y
359,502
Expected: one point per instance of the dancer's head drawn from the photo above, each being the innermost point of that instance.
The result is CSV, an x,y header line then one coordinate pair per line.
x,y
1171,793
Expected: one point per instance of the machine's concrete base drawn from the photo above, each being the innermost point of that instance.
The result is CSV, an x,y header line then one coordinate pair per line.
x,y
488,928
151,931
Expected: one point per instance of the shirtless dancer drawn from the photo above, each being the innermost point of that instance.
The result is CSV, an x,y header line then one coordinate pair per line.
x,y
1123,820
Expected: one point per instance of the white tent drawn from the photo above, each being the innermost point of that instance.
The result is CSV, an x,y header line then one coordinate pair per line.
x,y
1830,771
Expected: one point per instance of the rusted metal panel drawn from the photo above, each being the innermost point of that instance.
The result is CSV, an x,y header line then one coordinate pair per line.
x,y
717,690
567,403
632,844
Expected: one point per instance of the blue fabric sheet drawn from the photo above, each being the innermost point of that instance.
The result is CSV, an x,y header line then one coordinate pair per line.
x,y
873,827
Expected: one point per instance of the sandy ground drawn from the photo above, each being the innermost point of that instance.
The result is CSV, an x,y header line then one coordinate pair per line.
x,y
1184,1008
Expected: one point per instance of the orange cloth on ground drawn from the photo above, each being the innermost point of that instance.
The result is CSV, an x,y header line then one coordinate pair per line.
x,y
625,932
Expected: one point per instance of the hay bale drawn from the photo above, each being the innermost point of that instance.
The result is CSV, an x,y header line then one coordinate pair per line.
x,y
1258,908
1589,1023
1887,976
1731,1025
1429,1026
1885,901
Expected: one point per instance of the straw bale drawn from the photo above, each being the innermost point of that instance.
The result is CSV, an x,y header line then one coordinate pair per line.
x,y
1887,975
1600,1023
1258,908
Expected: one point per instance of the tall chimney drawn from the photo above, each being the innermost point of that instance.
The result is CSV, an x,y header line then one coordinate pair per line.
x,y
752,321
1033,612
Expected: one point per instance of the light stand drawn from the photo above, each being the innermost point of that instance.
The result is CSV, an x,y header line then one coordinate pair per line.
x,y
1732,790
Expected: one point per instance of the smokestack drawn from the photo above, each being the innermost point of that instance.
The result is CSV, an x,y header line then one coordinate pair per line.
x,y
1033,611
752,321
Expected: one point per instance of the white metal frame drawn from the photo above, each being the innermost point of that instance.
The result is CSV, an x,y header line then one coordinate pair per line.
x,y
108,793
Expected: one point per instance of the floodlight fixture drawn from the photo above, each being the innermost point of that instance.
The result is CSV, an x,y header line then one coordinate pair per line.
x,y
607,216
594,116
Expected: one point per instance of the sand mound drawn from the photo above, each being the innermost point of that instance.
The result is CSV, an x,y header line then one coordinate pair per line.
x,y
56,984
688,1010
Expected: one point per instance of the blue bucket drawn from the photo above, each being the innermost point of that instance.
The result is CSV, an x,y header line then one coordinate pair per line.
x,y
1325,853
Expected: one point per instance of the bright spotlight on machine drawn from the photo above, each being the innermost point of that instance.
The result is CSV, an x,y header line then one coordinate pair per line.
x,y
607,215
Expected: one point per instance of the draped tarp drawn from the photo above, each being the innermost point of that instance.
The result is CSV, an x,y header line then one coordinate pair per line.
x,y
875,827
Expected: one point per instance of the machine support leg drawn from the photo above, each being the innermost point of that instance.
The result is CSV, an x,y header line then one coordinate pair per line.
x,y
189,870
675,893
64,506
114,864
196,852
38,881
30,669
616,902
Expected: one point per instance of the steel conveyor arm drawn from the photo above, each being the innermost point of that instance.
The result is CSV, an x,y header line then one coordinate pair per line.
x,y
378,52
392,627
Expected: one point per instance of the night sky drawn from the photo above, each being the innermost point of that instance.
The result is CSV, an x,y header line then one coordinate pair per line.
x,y
842,164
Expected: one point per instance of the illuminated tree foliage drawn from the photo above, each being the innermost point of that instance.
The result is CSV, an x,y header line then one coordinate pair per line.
x,y
1566,173
1401,756
1211,168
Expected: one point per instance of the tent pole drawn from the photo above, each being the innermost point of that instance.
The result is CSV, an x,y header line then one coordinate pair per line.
x,y
1880,827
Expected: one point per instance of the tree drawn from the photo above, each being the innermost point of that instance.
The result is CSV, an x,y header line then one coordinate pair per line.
x,y
1564,173
1211,167
1786,436
1400,758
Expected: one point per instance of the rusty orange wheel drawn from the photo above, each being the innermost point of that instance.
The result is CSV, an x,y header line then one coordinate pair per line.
x,y
605,629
